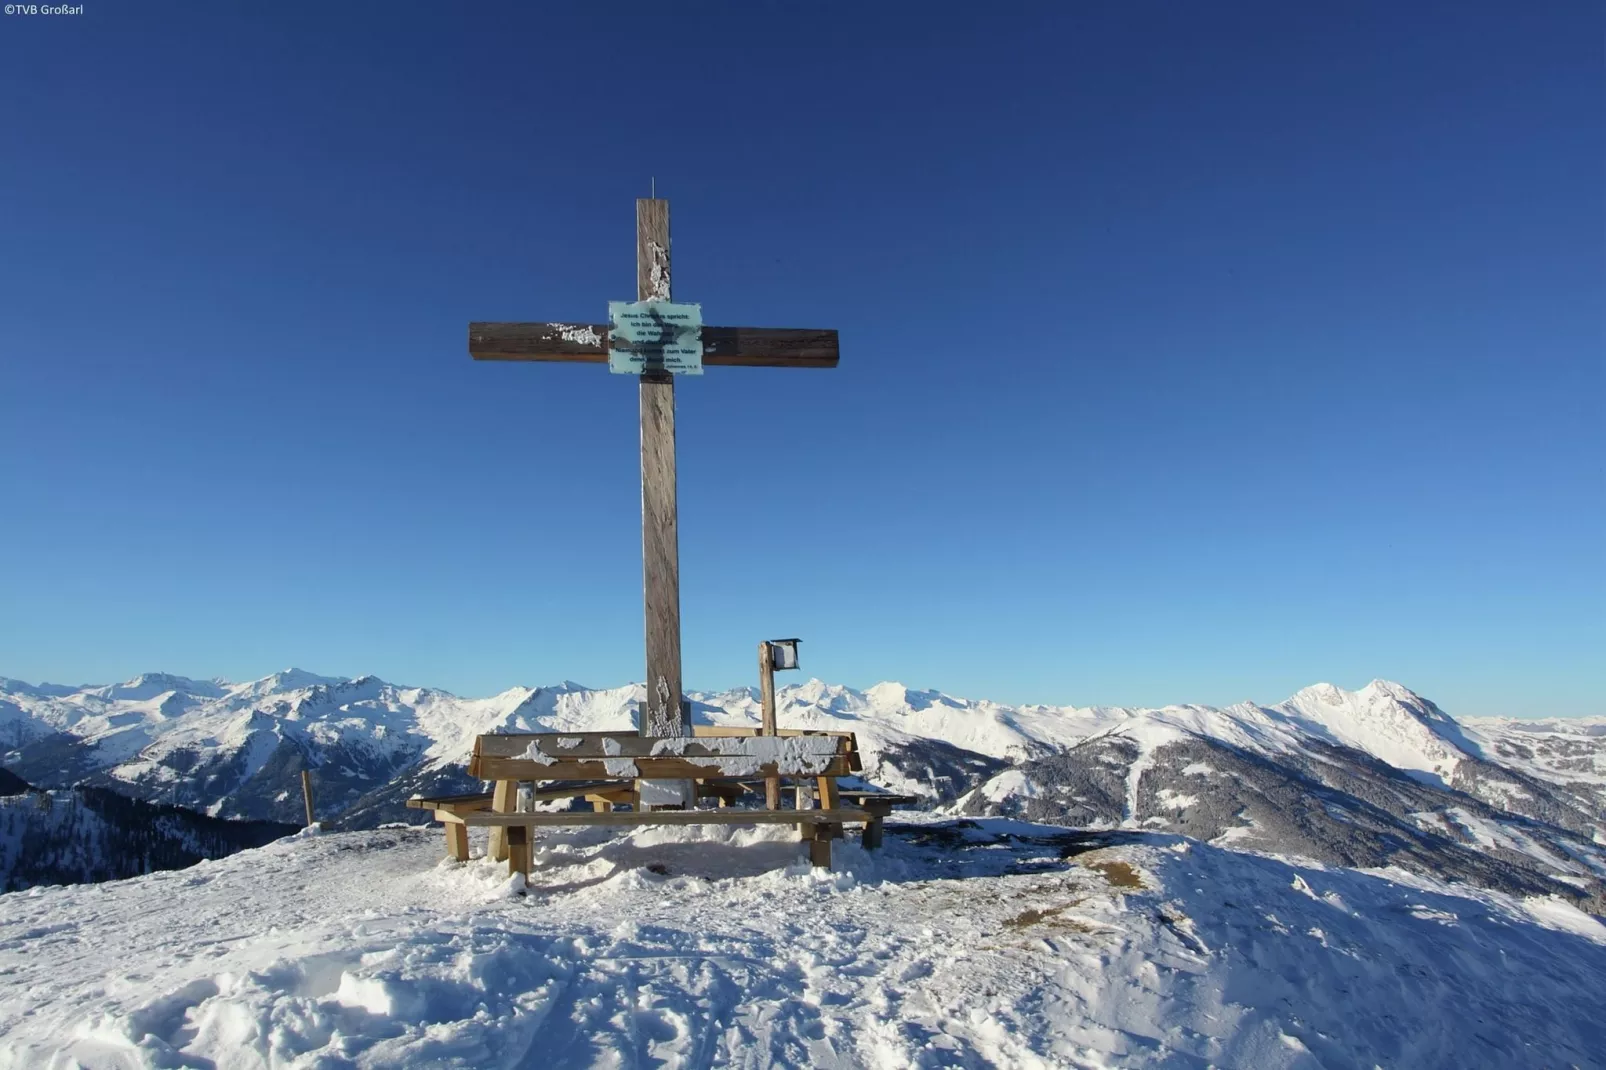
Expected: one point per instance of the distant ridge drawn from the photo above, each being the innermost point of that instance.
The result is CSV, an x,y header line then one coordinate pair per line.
x,y
1377,776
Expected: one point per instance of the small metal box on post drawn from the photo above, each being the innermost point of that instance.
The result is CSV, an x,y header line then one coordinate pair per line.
x,y
773,654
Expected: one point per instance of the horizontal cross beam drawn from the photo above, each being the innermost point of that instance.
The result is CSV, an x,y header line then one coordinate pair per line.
x,y
587,343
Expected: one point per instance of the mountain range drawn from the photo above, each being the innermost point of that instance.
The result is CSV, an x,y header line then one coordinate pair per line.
x,y
1370,778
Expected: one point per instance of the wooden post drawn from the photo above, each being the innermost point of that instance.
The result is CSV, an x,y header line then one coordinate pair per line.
x,y
457,841
660,539
766,690
306,795
829,800
503,798
518,850
820,847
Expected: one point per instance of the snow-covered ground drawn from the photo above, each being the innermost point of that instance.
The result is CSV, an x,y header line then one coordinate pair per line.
x,y
986,943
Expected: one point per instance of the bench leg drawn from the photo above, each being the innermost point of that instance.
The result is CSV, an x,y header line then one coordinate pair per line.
x,y
601,807
457,841
503,799
518,850
820,847
872,834
829,800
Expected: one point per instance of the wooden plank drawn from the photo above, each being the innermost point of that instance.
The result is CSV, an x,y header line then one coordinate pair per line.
x,y
503,798
587,343
820,847
829,801
433,802
574,791
715,731
845,815
661,713
664,768
465,807
766,688
457,841
631,744
886,797
518,850
723,790
306,795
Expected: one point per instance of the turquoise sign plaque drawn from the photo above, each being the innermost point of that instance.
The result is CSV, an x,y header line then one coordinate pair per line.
x,y
646,336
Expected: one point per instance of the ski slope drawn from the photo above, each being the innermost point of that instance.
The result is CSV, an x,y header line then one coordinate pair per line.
x,y
968,944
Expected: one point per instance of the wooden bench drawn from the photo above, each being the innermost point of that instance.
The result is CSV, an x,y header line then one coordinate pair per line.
x,y
616,768
878,804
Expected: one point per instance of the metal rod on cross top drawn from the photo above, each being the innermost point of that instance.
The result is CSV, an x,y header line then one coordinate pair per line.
x,y
655,340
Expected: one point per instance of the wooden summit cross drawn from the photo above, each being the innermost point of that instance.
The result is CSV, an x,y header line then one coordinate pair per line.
x,y
754,347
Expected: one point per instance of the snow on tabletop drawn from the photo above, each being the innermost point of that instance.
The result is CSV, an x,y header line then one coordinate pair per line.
x,y
691,947
534,753
747,755
620,767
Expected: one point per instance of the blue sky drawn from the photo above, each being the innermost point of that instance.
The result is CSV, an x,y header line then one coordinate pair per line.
x,y
1189,352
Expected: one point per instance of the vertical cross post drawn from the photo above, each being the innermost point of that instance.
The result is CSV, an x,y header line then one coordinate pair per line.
x,y
661,713
766,693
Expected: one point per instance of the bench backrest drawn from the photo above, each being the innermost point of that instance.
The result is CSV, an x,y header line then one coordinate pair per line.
x,y
711,753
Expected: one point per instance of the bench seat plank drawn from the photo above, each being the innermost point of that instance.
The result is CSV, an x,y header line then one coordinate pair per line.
x,y
452,802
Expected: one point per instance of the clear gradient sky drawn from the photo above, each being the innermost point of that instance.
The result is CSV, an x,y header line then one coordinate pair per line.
x,y
1190,352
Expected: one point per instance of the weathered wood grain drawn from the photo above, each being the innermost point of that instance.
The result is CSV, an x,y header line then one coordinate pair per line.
x,y
652,249
587,343
518,849
661,713
766,688
660,561
457,841
473,801
503,799
820,846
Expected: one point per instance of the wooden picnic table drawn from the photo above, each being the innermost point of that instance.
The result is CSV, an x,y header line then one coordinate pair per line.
x,y
612,769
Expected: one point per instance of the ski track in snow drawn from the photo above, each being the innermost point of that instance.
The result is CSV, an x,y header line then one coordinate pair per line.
x,y
969,944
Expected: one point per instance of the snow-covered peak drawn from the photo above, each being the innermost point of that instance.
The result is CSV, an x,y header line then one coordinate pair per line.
x,y
151,685
1384,719
8,686
1388,721
286,680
